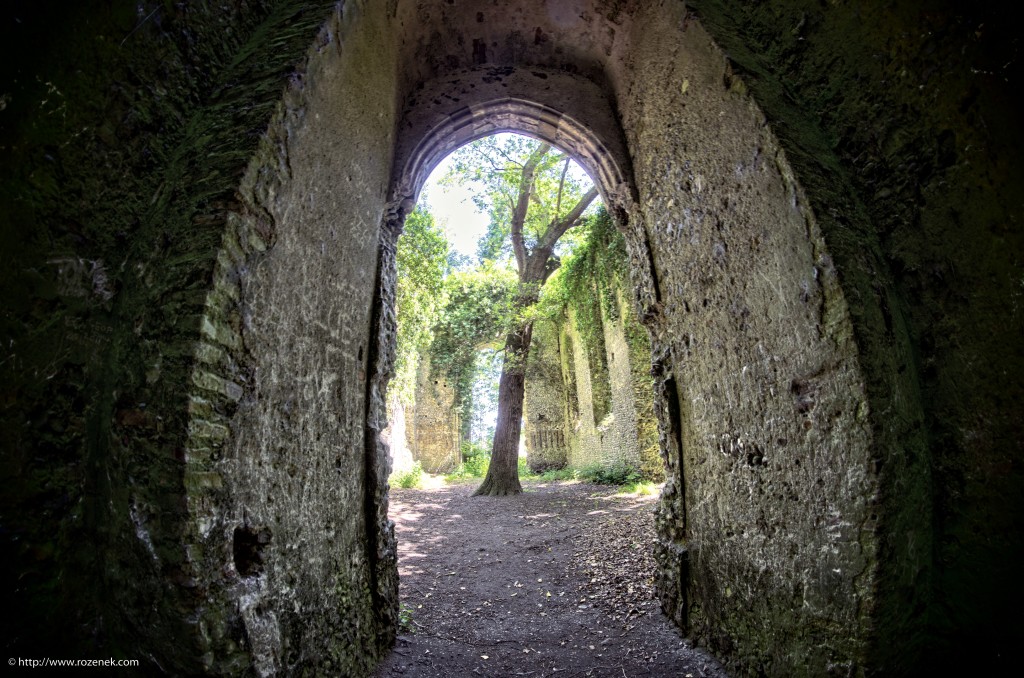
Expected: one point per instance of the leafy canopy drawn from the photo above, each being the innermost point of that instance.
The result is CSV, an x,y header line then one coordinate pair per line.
x,y
477,313
493,168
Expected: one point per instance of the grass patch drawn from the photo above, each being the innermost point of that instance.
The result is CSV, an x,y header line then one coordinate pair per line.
x,y
556,474
642,488
474,466
408,478
525,472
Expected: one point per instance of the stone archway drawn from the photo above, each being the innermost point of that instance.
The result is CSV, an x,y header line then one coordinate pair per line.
x,y
200,318
758,386
570,113
735,282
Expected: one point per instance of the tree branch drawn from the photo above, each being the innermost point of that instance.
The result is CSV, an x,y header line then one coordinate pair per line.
x,y
523,204
559,227
561,185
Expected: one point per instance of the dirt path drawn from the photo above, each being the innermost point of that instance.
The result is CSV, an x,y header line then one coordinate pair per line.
x,y
556,581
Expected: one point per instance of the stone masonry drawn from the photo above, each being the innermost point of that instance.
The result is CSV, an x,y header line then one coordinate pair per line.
x,y
199,205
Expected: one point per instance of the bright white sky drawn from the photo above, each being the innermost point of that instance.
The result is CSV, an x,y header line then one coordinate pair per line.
x,y
454,211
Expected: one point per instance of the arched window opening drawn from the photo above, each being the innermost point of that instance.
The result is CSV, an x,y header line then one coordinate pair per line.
x,y
511,272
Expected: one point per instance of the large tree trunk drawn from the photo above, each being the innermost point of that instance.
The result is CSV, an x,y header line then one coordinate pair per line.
x,y
503,472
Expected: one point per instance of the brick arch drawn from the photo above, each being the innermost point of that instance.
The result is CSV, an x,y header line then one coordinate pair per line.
x,y
567,111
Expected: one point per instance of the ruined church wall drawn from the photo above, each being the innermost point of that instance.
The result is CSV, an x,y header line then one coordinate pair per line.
x,y
122,142
280,509
544,400
584,438
619,441
901,122
560,411
433,435
632,436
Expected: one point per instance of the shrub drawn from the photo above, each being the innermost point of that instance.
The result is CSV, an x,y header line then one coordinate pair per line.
x,y
642,488
476,467
616,473
476,460
411,477
559,474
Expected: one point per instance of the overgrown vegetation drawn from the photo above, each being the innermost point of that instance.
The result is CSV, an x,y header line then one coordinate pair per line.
x,y
627,476
525,187
477,312
464,316
423,264
405,621
616,473
589,291
585,288
553,475
476,457
408,478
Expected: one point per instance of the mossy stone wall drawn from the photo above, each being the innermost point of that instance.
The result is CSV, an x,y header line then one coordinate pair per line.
x,y
823,222
564,424
768,524
544,406
125,137
902,124
434,430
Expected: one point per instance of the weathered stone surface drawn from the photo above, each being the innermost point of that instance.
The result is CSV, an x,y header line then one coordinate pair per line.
x,y
751,316
824,236
432,434
566,424
302,446
544,401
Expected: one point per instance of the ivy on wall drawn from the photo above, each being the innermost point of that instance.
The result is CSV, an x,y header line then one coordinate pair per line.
x,y
586,283
477,313
587,291
422,259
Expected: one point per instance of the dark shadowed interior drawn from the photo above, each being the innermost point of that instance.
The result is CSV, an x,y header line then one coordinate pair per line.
x,y
199,208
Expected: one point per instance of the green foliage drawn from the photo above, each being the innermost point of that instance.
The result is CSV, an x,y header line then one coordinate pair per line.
x,y
616,473
405,622
477,312
476,458
585,287
559,474
642,488
409,478
596,267
493,167
475,465
524,469
423,262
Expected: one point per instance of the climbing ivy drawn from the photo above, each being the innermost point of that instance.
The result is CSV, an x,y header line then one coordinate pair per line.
x,y
478,312
423,264
585,286
591,287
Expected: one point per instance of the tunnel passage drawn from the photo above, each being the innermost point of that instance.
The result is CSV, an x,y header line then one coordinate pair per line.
x,y
199,272
734,282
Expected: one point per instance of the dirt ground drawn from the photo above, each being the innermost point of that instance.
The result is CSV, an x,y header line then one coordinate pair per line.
x,y
557,581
